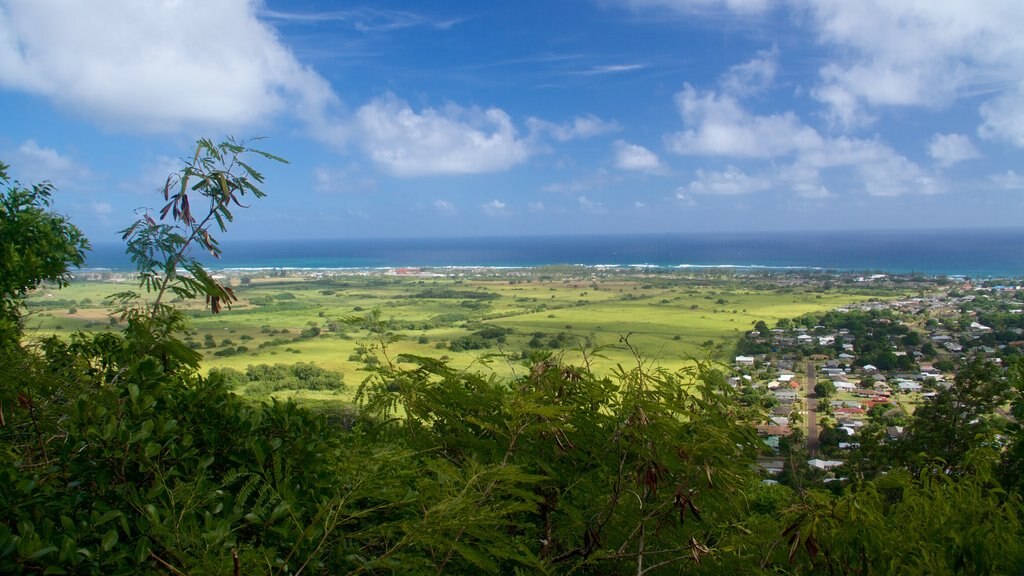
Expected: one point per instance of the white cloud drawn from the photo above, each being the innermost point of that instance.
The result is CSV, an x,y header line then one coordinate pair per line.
x,y
719,126
948,149
753,76
913,52
610,69
367,19
445,207
585,126
1003,117
452,140
597,179
898,176
158,66
102,209
342,180
696,6
729,182
34,163
635,157
535,206
1009,180
495,208
804,179
591,206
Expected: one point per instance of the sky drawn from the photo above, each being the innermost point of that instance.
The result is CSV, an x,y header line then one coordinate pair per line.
x,y
528,117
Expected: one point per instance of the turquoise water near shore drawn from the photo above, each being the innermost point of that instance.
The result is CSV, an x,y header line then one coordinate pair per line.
x,y
974,253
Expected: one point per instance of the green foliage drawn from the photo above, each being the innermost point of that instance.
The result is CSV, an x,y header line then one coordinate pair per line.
x,y
119,457
36,245
215,178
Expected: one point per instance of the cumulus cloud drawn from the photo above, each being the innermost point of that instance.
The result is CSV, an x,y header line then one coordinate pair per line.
x,y
580,127
948,149
451,140
1008,180
535,207
495,208
445,207
1003,117
635,157
914,52
721,127
898,176
35,163
718,125
752,76
729,182
591,206
170,65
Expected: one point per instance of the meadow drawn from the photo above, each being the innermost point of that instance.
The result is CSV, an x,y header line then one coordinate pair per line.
x,y
484,320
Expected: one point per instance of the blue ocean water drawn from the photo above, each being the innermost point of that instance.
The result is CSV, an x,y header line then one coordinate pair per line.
x,y
973,253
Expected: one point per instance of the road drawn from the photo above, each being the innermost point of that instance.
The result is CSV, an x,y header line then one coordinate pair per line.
x,y
812,411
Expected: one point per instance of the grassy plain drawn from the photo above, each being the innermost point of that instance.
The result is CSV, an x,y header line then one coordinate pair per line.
x,y
670,318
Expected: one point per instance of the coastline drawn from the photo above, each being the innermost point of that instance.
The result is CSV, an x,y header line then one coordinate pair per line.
x,y
970,253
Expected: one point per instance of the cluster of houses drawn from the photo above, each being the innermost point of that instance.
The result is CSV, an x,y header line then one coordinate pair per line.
x,y
859,387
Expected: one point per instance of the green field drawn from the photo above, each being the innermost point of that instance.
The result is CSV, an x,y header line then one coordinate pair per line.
x,y
671,320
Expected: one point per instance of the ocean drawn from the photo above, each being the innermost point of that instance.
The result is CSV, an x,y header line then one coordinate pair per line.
x,y
973,253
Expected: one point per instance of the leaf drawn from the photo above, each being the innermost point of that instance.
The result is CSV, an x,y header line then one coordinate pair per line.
x,y
812,546
109,540
42,552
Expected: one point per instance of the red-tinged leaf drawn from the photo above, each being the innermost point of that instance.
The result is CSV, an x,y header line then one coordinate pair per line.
x,y
235,199
693,508
186,213
167,188
24,401
812,546
794,545
793,526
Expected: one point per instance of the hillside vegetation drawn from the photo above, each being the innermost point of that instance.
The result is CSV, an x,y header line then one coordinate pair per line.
x,y
122,455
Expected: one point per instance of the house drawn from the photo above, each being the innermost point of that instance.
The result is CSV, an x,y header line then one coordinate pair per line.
x,y
785,395
773,430
894,432
908,386
744,360
843,385
824,464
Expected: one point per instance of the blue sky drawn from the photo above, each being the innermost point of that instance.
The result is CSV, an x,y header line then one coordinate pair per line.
x,y
467,118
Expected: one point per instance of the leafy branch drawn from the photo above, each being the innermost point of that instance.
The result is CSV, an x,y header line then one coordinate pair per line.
x,y
162,249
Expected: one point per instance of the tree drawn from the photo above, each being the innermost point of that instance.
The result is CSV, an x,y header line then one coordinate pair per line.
x,y
958,419
36,245
824,389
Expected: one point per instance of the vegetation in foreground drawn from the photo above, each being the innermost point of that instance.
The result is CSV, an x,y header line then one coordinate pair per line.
x,y
120,456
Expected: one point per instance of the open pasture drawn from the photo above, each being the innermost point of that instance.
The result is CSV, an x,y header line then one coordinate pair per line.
x,y
669,319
